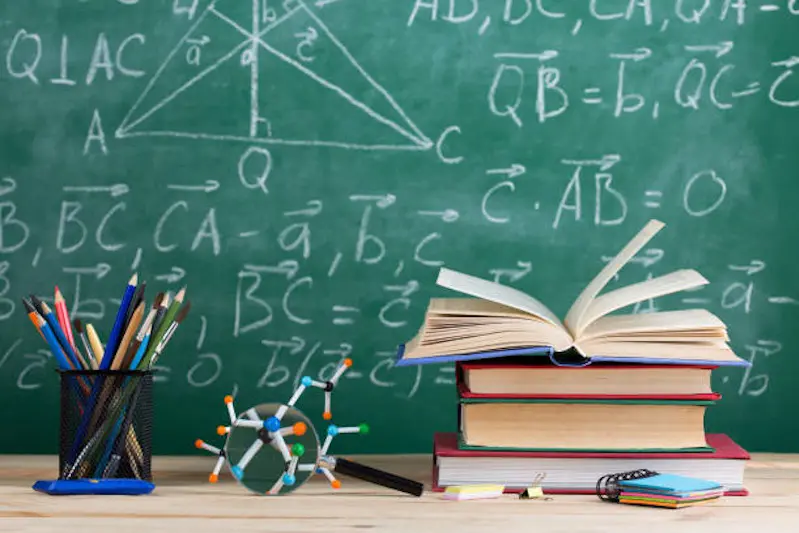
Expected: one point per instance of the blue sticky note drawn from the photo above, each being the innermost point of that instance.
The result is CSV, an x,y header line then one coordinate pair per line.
x,y
670,484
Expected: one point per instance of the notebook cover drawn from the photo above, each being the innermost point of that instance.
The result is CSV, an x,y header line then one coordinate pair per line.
x,y
557,358
446,445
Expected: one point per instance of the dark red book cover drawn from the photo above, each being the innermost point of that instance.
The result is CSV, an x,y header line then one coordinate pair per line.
x,y
446,445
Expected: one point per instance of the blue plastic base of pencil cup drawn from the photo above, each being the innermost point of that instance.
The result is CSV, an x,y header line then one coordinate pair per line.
x,y
106,424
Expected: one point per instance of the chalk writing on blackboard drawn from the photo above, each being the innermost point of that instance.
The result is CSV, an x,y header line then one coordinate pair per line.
x,y
200,54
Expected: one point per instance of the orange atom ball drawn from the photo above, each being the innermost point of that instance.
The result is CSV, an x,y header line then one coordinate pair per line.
x,y
221,430
300,428
228,399
198,443
327,415
348,362
213,478
335,484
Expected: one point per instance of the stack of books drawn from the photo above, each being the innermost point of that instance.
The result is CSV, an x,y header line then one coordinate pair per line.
x,y
572,401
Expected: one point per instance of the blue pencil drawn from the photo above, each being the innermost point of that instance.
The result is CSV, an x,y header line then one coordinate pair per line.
x,y
119,324
55,327
63,363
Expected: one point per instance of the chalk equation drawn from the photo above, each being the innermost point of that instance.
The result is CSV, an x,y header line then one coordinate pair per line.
x,y
302,272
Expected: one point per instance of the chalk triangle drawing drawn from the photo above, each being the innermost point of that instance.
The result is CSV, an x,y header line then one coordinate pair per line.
x,y
265,83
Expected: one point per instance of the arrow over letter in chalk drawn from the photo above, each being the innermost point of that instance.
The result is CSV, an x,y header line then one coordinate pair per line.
x,y
296,344
116,190
722,48
639,54
605,163
323,3
209,186
514,170
380,201
787,63
10,186
514,274
100,270
753,267
448,215
288,268
542,56
174,276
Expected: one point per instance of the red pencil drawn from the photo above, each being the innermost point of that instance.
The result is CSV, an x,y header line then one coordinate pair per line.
x,y
63,317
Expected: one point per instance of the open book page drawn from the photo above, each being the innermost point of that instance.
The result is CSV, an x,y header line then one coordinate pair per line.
x,y
662,324
600,349
574,321
494,292
474,307
677,281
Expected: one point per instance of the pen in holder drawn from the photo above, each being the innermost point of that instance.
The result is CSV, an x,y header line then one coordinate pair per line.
x,y
105,424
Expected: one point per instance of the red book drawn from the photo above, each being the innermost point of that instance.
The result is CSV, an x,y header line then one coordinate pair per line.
x,y
578,472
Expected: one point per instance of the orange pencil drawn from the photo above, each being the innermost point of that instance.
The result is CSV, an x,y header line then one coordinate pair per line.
x,y
32,314
63,317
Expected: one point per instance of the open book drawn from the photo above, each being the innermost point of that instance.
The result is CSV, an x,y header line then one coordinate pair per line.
x,y
501,321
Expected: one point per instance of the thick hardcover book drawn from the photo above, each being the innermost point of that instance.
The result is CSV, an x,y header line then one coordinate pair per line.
x,y
496,380
583,424
566,472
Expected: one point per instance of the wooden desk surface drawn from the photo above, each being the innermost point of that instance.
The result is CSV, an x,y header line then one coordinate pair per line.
x,y
185,501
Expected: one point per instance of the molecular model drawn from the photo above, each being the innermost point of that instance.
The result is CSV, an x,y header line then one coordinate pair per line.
x,y
271,432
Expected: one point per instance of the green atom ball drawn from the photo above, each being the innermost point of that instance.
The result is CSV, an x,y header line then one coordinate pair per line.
x,y
363,428
298,449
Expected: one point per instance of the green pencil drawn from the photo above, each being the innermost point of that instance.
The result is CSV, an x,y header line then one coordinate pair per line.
x,y
169,316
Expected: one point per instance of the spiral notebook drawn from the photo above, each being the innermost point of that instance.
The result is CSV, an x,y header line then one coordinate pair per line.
x,y
652,488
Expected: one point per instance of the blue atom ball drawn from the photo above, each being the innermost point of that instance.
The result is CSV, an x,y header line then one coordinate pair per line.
x,y
332,430
272,424
288,479
238,473
306,381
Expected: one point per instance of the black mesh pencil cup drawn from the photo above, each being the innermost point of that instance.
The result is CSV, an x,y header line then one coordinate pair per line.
x,y
106,422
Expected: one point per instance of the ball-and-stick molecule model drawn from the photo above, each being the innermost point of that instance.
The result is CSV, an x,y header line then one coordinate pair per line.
x,y
295,450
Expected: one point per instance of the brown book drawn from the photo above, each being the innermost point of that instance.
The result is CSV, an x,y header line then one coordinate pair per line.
x,y
589,425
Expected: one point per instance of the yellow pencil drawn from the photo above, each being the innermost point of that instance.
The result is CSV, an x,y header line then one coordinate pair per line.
x,y
94,340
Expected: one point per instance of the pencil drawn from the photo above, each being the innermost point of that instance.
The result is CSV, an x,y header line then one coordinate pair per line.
x,y
51,320
63,316
133,325
47,332
90,358
138,297
113,338
32,314
144,331
97,346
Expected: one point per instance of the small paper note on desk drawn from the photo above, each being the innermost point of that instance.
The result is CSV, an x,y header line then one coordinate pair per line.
x,y
473,492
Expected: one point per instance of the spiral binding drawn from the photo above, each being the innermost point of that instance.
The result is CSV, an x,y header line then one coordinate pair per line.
x,y
607,487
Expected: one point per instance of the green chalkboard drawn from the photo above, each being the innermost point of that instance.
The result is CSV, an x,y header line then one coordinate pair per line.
x,y
305,167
